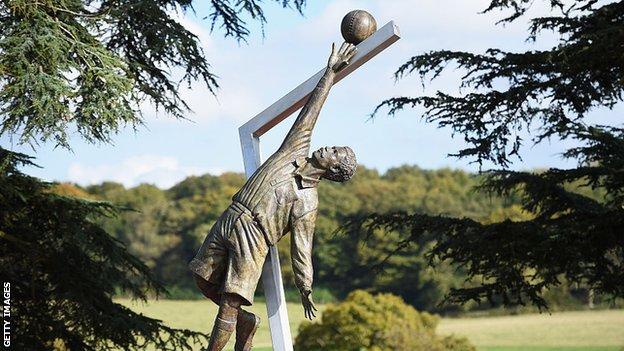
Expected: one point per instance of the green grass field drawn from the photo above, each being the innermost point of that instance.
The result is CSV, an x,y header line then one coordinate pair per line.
x,y
563,331
569,331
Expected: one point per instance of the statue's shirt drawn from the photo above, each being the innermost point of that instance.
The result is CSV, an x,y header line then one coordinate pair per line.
x,y
281,203
276,200
272,203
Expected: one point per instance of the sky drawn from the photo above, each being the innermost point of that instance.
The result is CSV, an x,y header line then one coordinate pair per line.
x,y
253,75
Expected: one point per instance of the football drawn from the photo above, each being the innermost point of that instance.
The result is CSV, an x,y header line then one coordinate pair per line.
x,y
357,25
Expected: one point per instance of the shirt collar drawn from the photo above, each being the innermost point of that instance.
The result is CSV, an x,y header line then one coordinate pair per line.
x,y
306,182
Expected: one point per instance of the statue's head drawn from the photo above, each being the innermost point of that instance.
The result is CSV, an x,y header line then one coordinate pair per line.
x,y
338,161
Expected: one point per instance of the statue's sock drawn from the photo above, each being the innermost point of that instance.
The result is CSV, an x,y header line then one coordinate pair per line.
x,y
246,326
222,330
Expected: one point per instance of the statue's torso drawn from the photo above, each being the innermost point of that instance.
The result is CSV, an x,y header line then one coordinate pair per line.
x,y
275,198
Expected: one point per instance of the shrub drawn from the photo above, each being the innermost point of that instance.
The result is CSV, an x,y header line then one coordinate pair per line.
x,y
375,323
453,343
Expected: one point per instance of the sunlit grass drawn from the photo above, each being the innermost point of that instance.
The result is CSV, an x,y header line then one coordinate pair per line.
x,y
562,331
582,330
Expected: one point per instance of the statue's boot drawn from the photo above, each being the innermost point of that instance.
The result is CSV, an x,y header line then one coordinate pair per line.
x,y
221,333
246,325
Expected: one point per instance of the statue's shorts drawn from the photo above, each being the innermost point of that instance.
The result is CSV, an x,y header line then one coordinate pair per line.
x,y
233,253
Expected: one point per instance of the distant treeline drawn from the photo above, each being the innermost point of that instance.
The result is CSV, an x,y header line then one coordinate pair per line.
x,y
165,228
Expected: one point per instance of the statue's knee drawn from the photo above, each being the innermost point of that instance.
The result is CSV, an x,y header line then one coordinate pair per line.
x,y
231,300
210,290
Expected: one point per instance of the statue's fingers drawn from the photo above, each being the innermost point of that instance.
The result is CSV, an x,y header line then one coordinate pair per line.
x,y
343,47
351,53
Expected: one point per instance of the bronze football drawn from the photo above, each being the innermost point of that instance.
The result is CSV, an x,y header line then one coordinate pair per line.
x,y
357,25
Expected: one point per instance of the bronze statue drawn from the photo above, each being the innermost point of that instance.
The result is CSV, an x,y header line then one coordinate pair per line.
x,y
280,197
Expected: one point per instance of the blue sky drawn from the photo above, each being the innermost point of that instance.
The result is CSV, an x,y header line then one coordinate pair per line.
x,y
254,75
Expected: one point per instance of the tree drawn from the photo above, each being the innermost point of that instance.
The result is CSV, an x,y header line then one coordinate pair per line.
x,y
138,227
87,66
64,269
569,234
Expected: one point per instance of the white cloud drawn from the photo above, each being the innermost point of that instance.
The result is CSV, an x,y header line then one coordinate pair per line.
x,y
235,100
162,171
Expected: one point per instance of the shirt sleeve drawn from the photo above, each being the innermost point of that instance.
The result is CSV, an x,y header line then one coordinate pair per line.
x,y
298,138
301,250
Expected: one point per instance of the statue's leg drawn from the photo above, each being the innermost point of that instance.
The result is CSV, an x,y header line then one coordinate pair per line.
x,y
246,325
225,322
210,290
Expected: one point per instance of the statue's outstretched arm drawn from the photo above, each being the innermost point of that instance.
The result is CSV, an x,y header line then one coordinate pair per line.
x,y
298,138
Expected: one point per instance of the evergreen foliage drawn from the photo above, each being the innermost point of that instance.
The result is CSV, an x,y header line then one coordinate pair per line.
x,y
88,65
548,93
377,323
64,270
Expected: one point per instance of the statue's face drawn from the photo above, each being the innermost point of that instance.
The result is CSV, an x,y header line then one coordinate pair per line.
x,y
328,157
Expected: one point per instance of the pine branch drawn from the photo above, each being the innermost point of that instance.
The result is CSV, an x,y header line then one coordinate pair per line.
x,y
89,65
554,89
65,269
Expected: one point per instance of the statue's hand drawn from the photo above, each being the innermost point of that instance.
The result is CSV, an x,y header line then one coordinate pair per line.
x,y
339,59
308,304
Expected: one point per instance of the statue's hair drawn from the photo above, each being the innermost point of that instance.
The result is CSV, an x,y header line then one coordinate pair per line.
x,y
345,169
